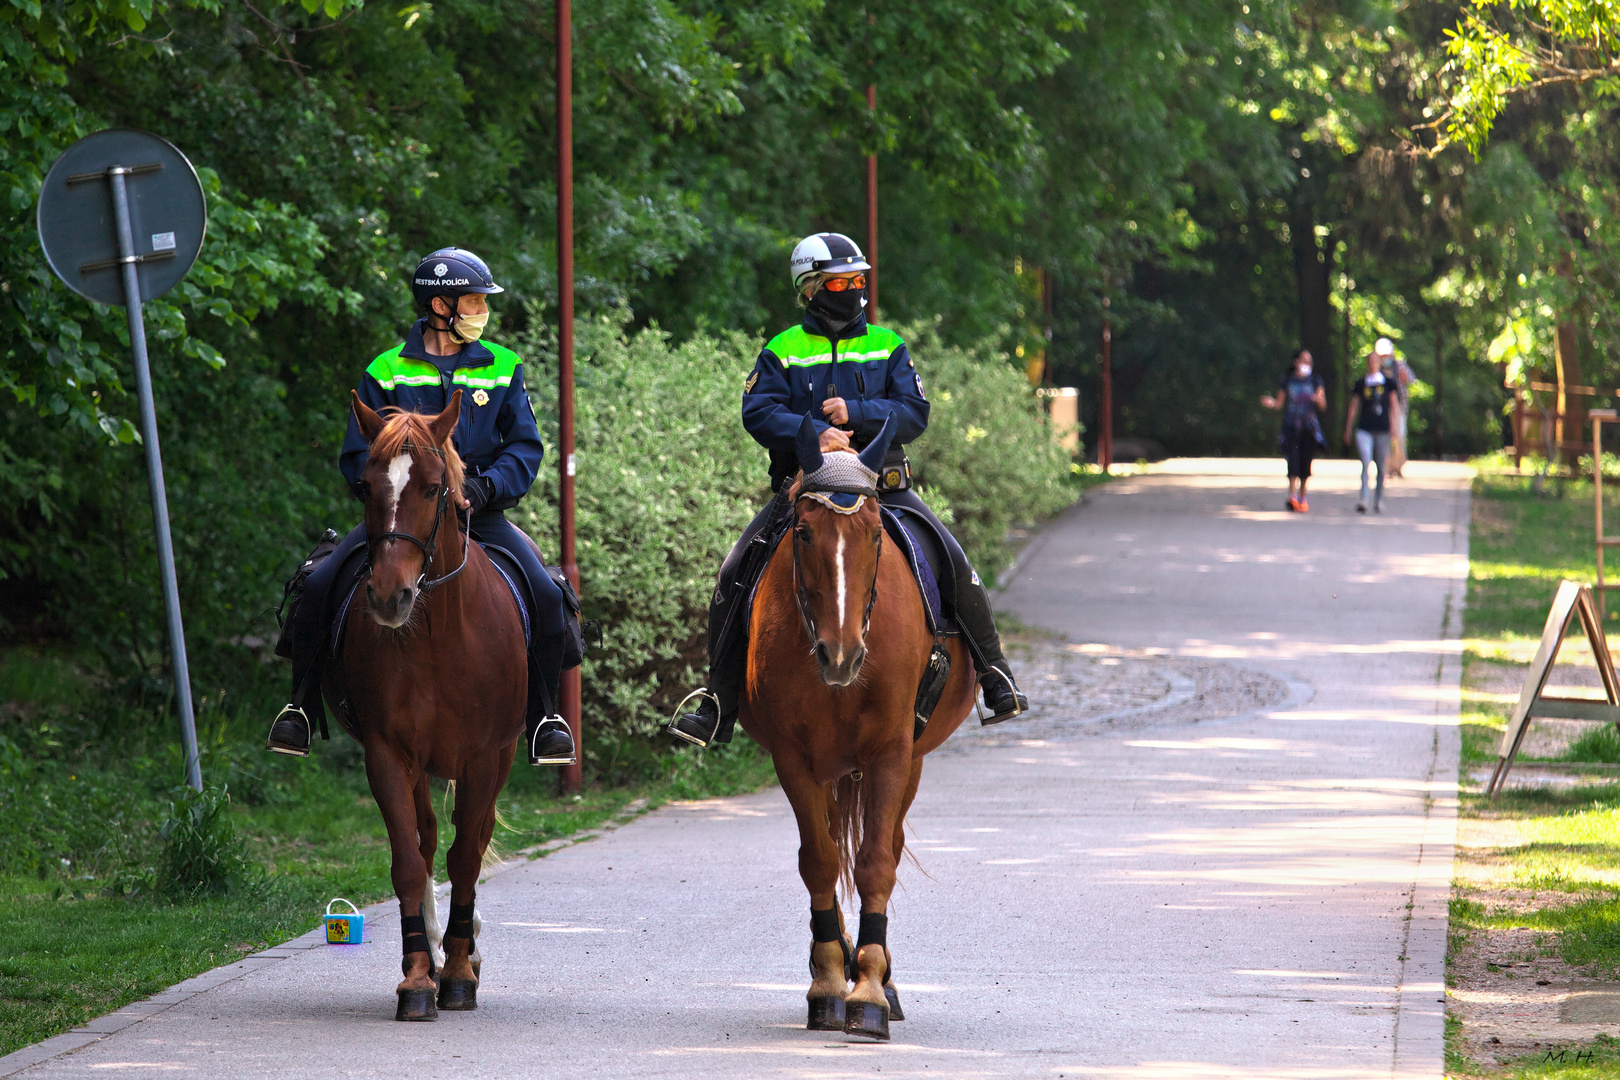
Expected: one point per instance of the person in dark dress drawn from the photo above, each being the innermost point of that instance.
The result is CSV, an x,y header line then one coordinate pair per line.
x,y
1301,397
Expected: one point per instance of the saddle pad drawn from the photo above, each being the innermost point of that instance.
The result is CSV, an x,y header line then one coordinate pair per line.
x,y
505,565
922,554
512,573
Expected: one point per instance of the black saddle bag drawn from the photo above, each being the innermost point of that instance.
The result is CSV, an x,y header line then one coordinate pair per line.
x,y
578,635
293,590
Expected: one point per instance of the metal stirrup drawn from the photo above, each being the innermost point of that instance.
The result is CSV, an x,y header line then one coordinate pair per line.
x,y
1010,685
700,692
309,733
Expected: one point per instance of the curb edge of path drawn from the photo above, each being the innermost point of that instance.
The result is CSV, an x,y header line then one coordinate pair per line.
x,y
94,1031
1420,1026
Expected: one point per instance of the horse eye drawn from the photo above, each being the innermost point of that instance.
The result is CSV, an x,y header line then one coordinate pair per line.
x,y
804,533
363,488
433,491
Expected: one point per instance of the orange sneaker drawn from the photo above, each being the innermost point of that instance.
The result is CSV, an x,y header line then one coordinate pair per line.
x,y
1302,506
1293,504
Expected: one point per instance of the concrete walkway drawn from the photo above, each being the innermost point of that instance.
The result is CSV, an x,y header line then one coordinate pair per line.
x,y
1161,891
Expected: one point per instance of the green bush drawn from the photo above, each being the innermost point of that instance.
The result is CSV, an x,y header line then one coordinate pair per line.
x,y
202,853
989,449
667,479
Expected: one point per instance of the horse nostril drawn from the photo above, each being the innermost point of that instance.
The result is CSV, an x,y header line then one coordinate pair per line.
x,y
405,595
822,656
855,660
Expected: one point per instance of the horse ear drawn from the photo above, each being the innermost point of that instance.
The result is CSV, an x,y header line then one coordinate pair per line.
x,y
442,425
371,424
808,445
876,450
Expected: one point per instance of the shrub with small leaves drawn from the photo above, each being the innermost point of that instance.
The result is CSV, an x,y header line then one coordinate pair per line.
x,y
202,854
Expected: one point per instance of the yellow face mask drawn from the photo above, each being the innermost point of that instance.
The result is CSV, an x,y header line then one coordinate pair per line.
x,y
469,328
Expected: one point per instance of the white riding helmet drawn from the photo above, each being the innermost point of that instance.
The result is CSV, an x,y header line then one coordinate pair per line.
x,y
825,253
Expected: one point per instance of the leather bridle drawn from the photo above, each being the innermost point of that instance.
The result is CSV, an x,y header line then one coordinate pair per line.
x,y
802,596
429,546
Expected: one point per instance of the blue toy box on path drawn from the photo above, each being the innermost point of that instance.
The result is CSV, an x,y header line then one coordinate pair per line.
x,y
344,929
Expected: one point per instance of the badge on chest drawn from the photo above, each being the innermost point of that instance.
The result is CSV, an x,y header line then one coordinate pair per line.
x,y
480,397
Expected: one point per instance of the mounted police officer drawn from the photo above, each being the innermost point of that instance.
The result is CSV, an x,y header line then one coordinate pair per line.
x,y
851,378
500,445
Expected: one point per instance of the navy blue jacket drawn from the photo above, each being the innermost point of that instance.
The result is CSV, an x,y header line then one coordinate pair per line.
x,y
498,438
799,369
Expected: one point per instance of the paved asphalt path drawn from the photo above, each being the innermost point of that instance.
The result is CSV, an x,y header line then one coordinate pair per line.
x,y
1262,895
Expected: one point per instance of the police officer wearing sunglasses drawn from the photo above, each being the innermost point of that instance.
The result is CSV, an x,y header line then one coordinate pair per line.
x,y
851,377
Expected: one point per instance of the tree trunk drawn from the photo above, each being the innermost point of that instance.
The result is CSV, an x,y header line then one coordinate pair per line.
x,y
1439,391
1313,270
1571,425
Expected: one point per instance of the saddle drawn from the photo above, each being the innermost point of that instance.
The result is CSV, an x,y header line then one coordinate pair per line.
x,y
924,552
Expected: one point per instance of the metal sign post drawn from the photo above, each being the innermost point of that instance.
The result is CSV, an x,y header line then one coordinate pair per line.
x,y
572,775
121,219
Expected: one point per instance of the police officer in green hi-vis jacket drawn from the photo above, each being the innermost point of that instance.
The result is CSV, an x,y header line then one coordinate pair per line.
x,y
499,444
850,378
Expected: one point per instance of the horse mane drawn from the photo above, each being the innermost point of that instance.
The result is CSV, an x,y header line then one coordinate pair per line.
x,y
410,429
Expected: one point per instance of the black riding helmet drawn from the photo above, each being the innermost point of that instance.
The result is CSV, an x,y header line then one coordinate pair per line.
x,y
451,272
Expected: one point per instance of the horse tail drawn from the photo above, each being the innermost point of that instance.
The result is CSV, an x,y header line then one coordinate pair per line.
x,y
493,855
849,811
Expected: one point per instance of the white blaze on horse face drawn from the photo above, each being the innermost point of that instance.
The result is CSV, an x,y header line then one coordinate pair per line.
x,y
399,474
843,593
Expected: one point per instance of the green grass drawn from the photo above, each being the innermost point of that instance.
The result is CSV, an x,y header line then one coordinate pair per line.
x,y
84,787
1566,849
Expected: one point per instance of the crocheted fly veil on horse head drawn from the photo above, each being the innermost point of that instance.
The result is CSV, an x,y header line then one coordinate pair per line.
x,y
840,480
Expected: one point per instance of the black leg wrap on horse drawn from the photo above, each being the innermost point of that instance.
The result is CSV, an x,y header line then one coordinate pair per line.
x,y
874,930
413,928
824,925
461,921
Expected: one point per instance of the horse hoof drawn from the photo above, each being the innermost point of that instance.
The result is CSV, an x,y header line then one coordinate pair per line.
x,y
895,1012
458,995
867,1020
416,1005
826,1014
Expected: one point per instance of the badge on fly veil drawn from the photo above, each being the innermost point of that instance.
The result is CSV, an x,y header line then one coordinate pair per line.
x,y
480,397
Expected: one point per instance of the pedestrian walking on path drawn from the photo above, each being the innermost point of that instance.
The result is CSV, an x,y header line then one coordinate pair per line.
x,y
1401,372
1301,397
1373,403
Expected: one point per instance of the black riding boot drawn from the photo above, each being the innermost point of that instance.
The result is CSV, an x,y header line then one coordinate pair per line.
x,y
547,735
1002,697
714,720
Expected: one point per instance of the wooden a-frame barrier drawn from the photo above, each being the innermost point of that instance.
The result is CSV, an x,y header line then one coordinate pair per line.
x,y
1570,600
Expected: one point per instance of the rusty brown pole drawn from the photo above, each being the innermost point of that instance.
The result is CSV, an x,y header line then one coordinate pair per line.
x,y
871,217
1105,415
571,775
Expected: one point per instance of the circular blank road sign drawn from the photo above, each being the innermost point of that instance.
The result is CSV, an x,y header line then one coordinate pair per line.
x,y
79,230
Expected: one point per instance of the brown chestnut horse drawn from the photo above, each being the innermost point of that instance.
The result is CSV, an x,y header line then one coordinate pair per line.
x,y
838,641
432,681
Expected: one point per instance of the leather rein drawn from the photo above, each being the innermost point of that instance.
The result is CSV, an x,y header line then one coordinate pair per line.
x,y
423,585
802,596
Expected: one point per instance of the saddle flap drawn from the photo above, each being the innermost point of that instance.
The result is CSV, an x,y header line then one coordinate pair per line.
x,y
925,555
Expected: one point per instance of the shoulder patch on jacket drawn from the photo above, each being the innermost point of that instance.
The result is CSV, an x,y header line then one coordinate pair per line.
x,y
751,382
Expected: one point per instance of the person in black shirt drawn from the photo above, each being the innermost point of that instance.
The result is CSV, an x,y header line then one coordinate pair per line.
x,y
1373,402
1300,396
